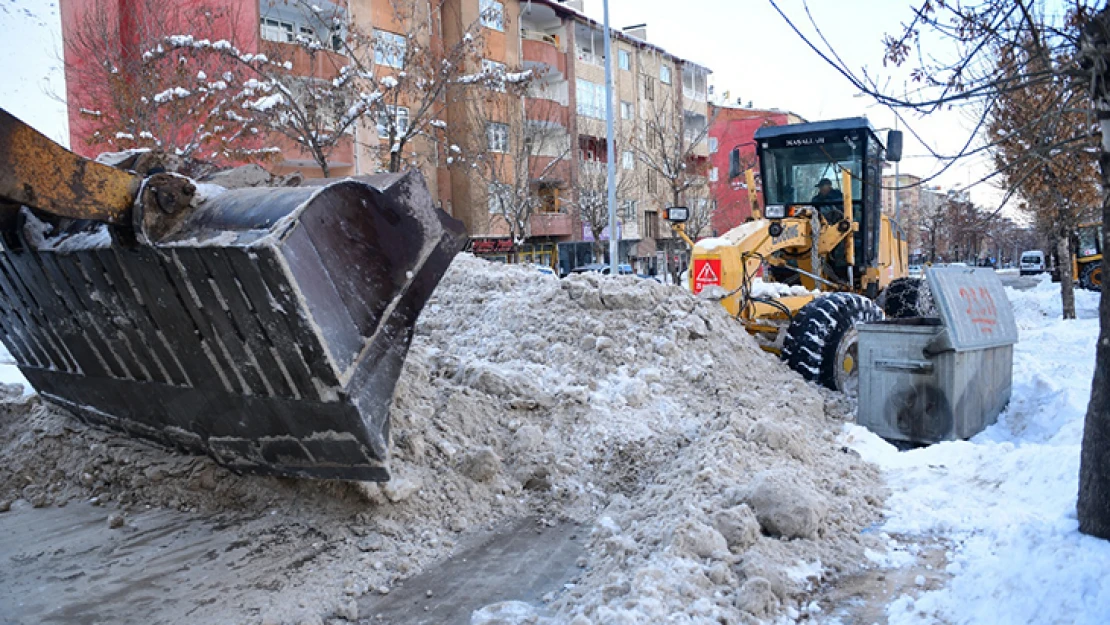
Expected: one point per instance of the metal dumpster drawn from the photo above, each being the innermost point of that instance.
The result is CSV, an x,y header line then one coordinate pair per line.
x,y
927,380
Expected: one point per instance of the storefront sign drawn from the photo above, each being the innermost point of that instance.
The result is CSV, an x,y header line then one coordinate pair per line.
x,y
491,246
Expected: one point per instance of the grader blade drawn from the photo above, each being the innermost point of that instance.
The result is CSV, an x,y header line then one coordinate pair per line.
x,y
265,327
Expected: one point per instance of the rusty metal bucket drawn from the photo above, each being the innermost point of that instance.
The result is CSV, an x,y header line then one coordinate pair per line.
x,y
265,327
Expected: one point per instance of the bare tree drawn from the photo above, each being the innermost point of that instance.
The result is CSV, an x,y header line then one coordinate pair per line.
x,y
315,88
591,202
134,90
512,155
667,147
408,78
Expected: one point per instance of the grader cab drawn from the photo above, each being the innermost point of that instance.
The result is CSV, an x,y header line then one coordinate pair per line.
x,y
811,263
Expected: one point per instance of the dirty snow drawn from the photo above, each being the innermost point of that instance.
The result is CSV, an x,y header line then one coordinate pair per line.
x,y
713,495
1006,498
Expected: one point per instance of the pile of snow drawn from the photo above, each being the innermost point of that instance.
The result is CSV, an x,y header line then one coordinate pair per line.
x,y
778,289
710,472
1041,304
1006,499
711,475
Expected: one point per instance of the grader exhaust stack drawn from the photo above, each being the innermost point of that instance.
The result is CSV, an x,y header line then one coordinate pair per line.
x,y
265,327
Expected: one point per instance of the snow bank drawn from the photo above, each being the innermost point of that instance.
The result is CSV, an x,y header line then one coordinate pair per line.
x,y
1007,497
709,474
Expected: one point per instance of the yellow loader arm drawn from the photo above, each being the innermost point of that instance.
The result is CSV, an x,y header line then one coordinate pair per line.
x,y
40,173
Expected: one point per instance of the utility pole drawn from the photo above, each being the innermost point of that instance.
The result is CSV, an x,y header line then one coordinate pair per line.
x,y
898,188
611,174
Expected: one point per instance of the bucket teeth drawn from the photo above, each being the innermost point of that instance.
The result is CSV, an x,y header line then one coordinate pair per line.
x,y
264,327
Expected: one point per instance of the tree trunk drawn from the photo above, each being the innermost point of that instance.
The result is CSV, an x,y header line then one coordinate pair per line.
x,y
1067,281
1094,465
395,161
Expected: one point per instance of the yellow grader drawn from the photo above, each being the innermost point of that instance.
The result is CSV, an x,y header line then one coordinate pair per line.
x,y
1088,256
265,327
809,266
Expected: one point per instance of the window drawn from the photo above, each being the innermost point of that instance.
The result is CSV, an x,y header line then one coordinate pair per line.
x,y
400,117
590,98
651,224
713,175
497,137
389,48
589,44
593,150
492,14
276,30
628,160
712,145
665,74
695,83
626,110
652,183
495,74
628,210
649,88
624,60
498,196
548,197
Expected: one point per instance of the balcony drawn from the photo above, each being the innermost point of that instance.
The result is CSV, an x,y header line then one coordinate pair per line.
x,y
549,114
544,58
551,225
324,64
295,158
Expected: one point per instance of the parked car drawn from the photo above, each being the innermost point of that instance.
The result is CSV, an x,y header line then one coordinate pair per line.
x,y
1032,262
624,270
544,269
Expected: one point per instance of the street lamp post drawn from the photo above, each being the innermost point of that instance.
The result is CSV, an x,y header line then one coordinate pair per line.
x,y
897,186
611,172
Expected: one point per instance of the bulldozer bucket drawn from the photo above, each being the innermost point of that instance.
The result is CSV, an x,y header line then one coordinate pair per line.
x,y
265,327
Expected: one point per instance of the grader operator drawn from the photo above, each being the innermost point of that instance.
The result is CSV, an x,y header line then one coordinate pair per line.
x,y
809,266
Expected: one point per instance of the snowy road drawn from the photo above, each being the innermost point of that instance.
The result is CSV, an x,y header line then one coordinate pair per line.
x,y
1006,499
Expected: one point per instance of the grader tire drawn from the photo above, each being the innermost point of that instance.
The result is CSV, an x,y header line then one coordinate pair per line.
x,y
908,297
1090,276
822,341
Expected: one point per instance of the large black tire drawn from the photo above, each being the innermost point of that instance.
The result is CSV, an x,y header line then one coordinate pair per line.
x,y
822,342
908,297
1090,276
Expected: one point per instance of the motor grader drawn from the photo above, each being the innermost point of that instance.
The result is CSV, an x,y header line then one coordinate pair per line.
x,y
1087,260
806,269
265,327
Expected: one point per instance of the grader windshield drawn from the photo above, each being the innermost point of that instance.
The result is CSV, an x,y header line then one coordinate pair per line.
x,y
792,173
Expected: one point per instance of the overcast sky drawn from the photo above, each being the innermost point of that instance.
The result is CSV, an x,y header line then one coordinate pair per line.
x,y
755,56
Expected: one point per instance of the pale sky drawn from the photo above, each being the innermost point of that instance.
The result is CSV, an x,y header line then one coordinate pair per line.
x,y
756,56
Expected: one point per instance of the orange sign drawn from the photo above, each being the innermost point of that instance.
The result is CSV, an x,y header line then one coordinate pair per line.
x,y
707,272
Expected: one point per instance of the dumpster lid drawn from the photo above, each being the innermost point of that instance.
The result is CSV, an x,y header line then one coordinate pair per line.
x,y
974,307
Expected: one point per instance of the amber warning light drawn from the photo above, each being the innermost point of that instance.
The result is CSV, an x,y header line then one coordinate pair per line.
x,y
676,214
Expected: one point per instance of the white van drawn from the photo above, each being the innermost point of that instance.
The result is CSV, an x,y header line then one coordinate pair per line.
x,y
1032,262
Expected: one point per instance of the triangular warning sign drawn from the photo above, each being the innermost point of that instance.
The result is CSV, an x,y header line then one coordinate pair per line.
x,y
707,274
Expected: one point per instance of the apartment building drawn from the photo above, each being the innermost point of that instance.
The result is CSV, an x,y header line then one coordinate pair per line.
x,y
129,29
733,127
567,50
553,136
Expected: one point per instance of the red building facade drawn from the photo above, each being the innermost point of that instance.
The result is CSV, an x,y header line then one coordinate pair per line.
x,y
735,128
